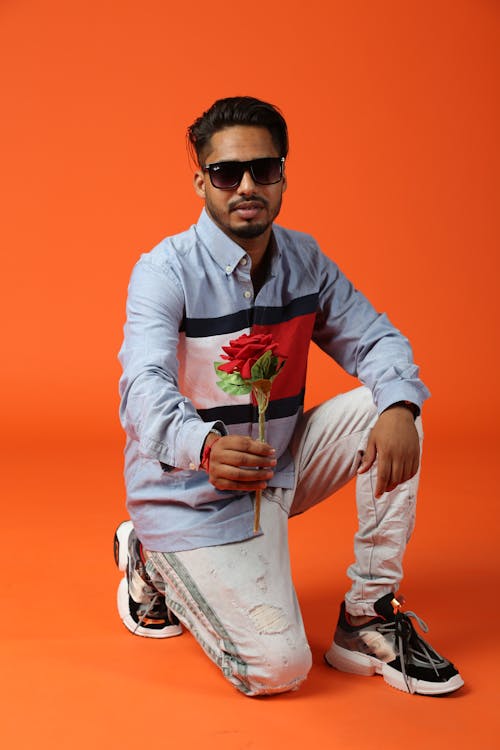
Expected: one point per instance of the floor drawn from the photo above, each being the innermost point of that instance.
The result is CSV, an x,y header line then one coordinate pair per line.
x,y
73,677
393,111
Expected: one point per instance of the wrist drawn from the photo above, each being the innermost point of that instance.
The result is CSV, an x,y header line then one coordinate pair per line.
x,y
407,405
210,440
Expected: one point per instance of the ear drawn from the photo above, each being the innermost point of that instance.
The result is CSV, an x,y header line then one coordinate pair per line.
x,y
285,182
199,183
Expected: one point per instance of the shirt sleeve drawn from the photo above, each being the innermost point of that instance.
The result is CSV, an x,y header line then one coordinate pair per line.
x,y
152,410
364,342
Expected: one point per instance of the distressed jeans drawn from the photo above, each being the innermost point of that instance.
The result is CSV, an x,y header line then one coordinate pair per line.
x,y
238,600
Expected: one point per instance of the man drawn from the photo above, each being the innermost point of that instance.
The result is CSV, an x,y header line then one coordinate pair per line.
x,y
193,460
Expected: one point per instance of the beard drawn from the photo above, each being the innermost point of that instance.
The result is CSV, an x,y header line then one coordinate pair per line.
x,y
247,230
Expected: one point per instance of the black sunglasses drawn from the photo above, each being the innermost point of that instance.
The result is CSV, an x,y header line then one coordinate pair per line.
x,y
227,175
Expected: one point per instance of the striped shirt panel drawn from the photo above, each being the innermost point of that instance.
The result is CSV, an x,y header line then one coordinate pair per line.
x,y
189,297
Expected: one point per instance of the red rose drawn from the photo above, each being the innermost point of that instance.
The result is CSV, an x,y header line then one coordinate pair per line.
x,y
243,352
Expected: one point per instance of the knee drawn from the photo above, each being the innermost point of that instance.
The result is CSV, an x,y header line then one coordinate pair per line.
x,y
278,669
353,411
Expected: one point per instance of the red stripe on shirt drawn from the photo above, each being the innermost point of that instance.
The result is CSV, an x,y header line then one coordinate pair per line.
x,y
293,338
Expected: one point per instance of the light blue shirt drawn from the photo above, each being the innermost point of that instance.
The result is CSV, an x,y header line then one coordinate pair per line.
x,y
189,297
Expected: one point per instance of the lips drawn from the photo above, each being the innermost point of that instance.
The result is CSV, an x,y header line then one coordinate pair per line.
x,y
248,209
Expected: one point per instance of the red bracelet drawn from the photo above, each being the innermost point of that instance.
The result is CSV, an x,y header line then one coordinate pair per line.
x,y
205,457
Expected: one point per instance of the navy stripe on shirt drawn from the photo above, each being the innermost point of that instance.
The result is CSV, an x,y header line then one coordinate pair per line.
x,y
247,413
258,315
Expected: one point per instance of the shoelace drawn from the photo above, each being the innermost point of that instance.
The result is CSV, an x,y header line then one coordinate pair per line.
x,y
156,600
149,610
405,633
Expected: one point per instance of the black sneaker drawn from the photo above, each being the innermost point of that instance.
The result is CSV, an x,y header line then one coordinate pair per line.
x,y
389,645
141,606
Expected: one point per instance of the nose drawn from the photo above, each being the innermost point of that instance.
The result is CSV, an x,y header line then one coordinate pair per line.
x,y
247,185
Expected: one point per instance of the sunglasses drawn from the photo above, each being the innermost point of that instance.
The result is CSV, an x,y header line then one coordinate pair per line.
x,y
227,175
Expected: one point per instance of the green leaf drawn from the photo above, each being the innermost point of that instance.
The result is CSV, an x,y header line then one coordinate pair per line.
x,y
261,368
266,368
257,370
229,377
278,368
234,389
234,378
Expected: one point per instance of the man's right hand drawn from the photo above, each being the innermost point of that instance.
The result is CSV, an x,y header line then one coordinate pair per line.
x,y
234,460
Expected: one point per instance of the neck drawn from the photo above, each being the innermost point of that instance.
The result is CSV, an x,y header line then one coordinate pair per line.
x,y
260,264
256,248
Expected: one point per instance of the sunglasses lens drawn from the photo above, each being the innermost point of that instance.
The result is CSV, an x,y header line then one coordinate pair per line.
x,y
266,171
227,174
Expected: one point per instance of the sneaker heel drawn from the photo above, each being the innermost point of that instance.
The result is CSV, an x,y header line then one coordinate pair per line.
x,y
120,544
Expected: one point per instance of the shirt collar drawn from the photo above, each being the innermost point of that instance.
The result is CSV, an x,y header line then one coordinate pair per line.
x,y
274,251
226,253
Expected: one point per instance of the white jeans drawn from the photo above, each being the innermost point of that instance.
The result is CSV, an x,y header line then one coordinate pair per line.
x,y
238,600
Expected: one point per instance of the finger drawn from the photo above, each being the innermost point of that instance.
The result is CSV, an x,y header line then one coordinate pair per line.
x,y
245,444
383,476
409,472
397,474
240,474
235,458
242,452
228,477
410,467
368,457
261,449
224,483
232,478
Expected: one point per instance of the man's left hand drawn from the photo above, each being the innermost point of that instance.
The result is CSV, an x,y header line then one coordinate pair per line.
x,y
394,443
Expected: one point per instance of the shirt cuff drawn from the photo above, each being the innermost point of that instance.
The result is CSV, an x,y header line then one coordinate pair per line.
x,y
190,444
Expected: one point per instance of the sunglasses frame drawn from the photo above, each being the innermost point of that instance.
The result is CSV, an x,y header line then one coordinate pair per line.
x,y
246,166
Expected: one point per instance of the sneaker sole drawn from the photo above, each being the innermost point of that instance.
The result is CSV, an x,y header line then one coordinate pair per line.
x,y
366,666
122,601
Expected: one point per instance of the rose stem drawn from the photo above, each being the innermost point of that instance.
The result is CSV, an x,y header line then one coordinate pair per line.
x,y
256,513
258,493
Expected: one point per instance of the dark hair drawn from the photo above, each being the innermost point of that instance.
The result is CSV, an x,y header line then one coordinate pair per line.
x,y
237,110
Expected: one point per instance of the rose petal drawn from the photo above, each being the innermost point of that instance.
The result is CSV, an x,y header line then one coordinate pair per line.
x,y
244,351
231,366
249,350
246,369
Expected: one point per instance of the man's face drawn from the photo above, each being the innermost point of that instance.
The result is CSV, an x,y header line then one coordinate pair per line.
x,y
247,211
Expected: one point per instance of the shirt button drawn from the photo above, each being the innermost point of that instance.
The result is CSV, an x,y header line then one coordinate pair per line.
x,y
192,467
228,269
243,262
247,294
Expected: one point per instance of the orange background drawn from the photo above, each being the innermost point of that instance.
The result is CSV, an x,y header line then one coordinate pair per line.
x,y
393,111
